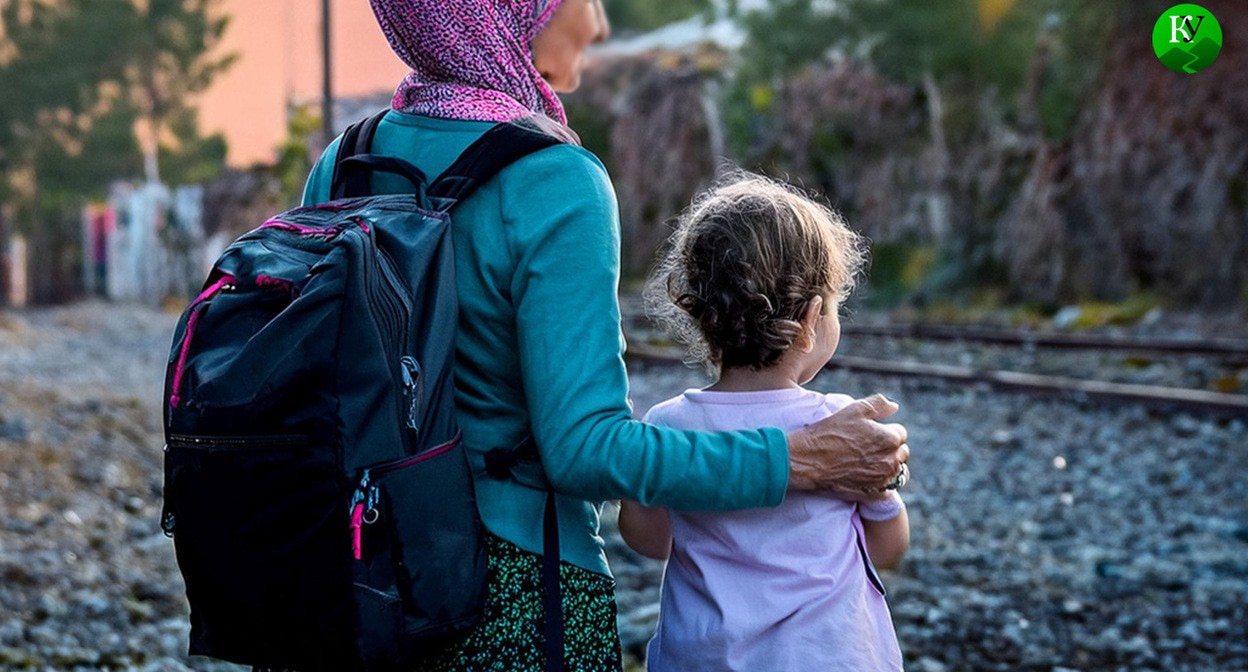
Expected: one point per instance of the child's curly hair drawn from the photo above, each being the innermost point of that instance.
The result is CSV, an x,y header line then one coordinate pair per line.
x,y
742,266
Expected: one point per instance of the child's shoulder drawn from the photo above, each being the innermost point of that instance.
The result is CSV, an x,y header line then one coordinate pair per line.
x,y
662,412
815,406
833,401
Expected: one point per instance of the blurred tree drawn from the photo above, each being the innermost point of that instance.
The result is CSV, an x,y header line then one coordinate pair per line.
x,y
981,64
75,76
66,63
781,40
1029,59
171,46
973,43
294,157
55,62
978,65
193,158
967,56
642,15
107,151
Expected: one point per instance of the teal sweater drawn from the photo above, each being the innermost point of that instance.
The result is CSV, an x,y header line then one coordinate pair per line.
x,y
539,349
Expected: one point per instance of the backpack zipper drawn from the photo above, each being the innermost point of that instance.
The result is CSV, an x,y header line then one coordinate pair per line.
x,y
406,369
223,284
390,304
303,230
168,520
234,442
414,390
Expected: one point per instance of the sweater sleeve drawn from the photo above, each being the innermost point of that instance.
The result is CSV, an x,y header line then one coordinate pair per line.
x,y
563,230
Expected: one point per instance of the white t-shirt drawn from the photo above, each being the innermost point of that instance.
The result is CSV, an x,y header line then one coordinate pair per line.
x,y
768,590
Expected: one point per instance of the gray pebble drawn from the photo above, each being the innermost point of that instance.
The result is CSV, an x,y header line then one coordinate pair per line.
x,y
42,635
13,428
927,664
11,632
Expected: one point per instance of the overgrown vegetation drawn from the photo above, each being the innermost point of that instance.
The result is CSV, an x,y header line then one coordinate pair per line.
x,y
974,65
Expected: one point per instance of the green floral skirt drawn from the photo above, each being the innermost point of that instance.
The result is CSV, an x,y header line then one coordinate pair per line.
x,y
510,635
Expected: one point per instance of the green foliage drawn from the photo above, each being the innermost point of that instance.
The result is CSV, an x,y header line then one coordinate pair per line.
x,y
1073,43
194,158
53,61
642,15
171,46
591,124
972,50
294,160
76,74
171,43
108,151
780,41
890,278
928,275
785,38
959,42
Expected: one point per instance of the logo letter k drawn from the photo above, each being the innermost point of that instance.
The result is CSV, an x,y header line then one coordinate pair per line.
x,y
1182,26
1178,26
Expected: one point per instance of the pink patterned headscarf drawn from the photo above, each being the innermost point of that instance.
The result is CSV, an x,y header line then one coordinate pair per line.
x,y
470,59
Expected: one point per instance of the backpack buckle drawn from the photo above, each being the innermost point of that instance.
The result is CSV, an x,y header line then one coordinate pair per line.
x,y
501,462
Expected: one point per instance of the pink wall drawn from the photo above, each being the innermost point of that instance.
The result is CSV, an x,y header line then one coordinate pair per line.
x,y
278,42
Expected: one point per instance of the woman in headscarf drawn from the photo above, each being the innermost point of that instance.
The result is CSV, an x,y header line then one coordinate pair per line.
x,y
539,349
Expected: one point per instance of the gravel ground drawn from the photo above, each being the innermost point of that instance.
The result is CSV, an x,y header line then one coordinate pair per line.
x,y
87,579
1047,535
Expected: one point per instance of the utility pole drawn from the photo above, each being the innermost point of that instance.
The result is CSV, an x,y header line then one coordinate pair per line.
x,y
327,72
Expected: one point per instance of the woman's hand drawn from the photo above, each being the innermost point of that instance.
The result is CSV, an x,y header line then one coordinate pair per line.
x,y
849,453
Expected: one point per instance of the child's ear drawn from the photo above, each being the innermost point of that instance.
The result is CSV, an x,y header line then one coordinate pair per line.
x,y
810,319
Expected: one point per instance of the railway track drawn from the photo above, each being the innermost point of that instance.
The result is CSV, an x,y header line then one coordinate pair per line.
x,y
1231,354
1236,349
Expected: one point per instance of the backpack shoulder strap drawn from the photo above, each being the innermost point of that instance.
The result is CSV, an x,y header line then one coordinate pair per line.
x,y
357,139
496,149
499,463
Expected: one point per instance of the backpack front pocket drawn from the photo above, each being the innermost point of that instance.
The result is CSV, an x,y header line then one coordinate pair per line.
x,y
417,535
256,523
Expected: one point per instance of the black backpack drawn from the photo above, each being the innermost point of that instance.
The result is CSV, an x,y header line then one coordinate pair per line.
x,y
316,489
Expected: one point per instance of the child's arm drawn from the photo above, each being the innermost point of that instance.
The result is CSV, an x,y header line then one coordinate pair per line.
x,y
646,530
887,528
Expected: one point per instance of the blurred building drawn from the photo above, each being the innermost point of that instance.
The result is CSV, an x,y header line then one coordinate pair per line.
x,y
278,43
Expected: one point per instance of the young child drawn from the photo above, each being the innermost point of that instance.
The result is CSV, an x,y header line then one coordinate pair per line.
x,y
751,284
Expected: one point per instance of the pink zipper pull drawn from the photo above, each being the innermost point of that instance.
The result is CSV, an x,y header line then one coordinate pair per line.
x,y
357,524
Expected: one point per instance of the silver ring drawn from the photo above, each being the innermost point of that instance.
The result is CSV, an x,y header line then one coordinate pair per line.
x,y
903,477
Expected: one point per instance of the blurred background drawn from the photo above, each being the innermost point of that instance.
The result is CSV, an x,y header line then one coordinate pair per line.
x,y
1058,290
996,152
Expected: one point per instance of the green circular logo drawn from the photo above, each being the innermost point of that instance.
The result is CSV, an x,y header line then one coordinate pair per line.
x,y
1187,38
